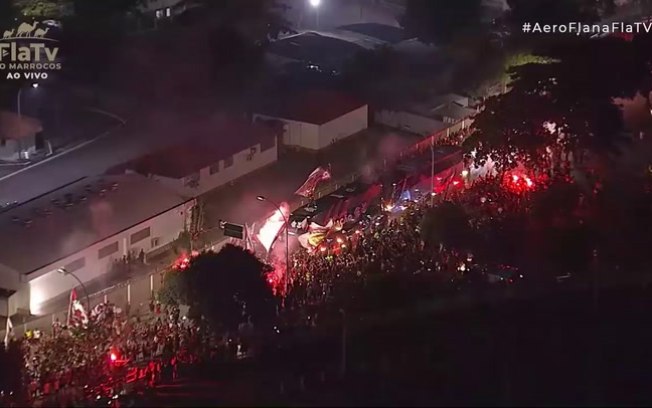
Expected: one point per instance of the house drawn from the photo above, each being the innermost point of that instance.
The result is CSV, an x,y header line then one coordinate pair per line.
x,y
19,136
84,227
161,9
316,119
442,114
228,150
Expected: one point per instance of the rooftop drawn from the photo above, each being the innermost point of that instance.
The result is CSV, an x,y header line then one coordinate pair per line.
x,y
383,32
13,126
215,141
315,48
316,106
65,221
453,111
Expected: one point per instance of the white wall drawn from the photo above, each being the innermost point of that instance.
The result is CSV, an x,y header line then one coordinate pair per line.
x,y
11,149
300,134
244,162
314,137
48,283
410,122
344,126
153,5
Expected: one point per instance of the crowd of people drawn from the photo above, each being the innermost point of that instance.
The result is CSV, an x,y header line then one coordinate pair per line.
x,y
92,358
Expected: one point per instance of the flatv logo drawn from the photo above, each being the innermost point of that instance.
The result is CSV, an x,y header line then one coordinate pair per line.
x,y
27,52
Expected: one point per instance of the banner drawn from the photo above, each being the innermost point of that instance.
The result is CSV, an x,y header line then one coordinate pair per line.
x,y
309,186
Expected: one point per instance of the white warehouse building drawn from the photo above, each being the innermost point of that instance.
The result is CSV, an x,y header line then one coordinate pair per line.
x,y
220,152
317,119
84,227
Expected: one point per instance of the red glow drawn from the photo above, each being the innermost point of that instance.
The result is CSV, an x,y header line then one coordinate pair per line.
x,y
515,178
323,249
456,182
113,357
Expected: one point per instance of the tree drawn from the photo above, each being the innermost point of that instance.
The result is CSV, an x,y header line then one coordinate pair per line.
x,y
551,11
563,110
8,13
39,8
229,287
448,225
439,22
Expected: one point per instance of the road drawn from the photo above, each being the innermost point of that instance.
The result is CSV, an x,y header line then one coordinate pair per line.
x,y
122,144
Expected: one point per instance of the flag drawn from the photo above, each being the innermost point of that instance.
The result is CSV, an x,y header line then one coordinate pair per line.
x,y
307,189
73,299
9,332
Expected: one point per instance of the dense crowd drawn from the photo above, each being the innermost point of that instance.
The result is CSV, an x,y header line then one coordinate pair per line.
x,y
92,358
385,244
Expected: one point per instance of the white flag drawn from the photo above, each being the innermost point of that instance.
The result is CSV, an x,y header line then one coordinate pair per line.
x,y
9,332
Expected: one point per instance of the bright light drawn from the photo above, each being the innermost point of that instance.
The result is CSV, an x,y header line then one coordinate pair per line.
x,y
340,240
433,194
261,198
514,178
465,173
34,85
114,357
389,207
456,182
323,249
315,3
272,226
528,182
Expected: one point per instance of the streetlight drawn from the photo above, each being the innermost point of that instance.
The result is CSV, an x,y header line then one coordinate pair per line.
x,y
315,4
65,272
287,239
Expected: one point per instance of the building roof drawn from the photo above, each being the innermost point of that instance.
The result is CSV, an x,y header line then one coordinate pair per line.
x,y
382,32
15,127
68,220
216,141
453,111
314,48
315,106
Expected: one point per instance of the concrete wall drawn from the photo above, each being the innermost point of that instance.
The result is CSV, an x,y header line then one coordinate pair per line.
x,y
11,148
344,126
47,283
150,6
410,122
299,134
314,137
244,162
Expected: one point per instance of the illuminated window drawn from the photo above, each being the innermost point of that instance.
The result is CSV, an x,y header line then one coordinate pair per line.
x,y
159,13
168,12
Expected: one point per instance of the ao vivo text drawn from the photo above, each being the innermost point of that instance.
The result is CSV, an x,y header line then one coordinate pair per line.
x,y
27,75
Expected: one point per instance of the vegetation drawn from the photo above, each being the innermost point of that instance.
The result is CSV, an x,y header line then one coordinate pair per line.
x,y
439,22
227,288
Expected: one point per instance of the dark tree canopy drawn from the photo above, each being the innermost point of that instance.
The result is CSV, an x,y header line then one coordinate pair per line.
x,y
575,93
227,288
552,11
440,21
